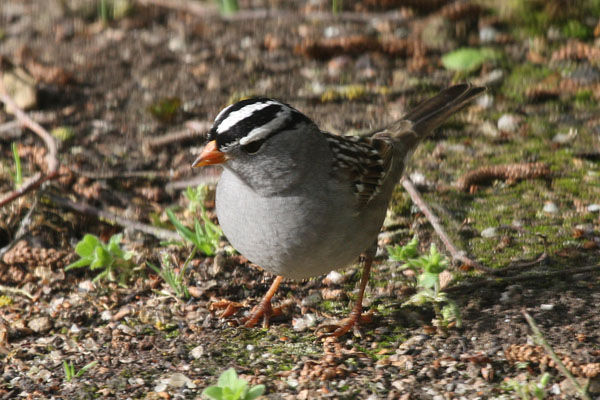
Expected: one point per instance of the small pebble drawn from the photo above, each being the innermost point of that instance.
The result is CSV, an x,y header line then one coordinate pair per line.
x,y
547,307
331,31
485,101
306,321
333,278
494,78
487,34
509,123
41,324
550,207
564,138
593,207
197,352
489,232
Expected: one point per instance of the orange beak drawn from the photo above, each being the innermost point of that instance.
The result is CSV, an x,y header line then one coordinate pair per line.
x,y
210,155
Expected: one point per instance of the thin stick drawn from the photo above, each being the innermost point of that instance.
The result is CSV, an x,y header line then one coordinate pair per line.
x,y
210,11
51,158
12,290
435,222
195,129
149,175
539,339
83,208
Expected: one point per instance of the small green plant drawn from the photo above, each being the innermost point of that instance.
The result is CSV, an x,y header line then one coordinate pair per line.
x,y
18,176
172,278
104,11
228,7
529,389
336,6
69,369
205,237
196,196
115,263
427,269
230,387
111,10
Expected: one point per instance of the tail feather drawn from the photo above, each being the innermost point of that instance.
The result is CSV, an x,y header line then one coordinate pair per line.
x,y
433,112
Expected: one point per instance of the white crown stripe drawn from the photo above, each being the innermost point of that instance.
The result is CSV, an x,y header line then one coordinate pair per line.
x,y
265,130
223,111
243,113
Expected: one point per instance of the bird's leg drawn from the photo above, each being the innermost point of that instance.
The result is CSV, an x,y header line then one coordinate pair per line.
x,y
356,316
264,308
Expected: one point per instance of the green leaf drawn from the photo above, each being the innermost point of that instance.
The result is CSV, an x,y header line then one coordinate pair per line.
x,y
87,246
102,258
113,245
183,230
85,368
82,262
228,378
406,252
428,280
418,299
213,392
100,276
256,391
468,59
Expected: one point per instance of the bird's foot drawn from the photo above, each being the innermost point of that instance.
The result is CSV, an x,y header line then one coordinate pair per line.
x,y
227,307
263,310
344,326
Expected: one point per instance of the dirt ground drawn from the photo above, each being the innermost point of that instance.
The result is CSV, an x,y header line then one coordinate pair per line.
x,y
128,95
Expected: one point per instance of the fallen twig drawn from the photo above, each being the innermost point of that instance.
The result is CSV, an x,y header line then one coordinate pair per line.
x,y
540,340
51,158
163,234
149,175
12,290
208,176
210,11
323,49
195,129
510,173
433,219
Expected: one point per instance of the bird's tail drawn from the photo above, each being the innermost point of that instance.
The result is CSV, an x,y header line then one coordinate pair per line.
x,y
433,112
430,114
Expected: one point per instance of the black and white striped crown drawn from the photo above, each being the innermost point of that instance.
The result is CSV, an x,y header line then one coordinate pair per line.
x,y
253,120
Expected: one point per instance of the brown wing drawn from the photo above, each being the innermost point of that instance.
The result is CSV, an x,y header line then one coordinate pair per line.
x,y
365,161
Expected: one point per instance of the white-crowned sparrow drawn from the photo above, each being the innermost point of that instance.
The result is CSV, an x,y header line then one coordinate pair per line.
x,y
301,202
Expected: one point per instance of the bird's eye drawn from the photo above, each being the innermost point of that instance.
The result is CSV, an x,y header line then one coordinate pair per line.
x,y
253,147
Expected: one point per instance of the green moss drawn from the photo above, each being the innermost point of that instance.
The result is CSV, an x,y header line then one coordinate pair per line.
x,y
523,76
584,97
575,29
172,334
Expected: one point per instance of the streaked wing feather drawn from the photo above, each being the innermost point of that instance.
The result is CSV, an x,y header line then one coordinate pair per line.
x,y
364,161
